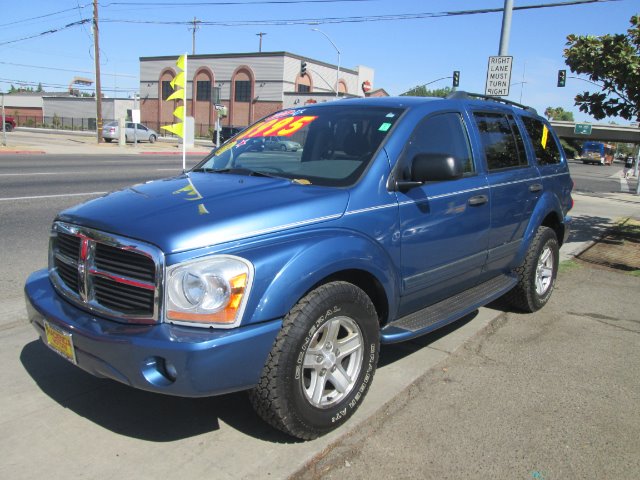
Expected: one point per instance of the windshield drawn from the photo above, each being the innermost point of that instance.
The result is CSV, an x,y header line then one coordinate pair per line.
x,y
328,145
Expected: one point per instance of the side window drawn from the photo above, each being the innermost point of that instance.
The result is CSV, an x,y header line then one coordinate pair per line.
x,y
501,140
129,125
544,145
443,133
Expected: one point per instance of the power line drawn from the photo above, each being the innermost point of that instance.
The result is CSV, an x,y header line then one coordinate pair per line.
x,y
48,32
66,69
43,16
234,3
355,19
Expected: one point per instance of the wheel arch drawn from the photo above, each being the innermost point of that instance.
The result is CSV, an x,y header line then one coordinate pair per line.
x,y
291,270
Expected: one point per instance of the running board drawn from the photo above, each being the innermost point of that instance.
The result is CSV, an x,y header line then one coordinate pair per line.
x,y
446,311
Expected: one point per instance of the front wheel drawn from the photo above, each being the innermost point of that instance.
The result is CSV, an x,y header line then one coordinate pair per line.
x,y
322,362
152,138
537,274
8,127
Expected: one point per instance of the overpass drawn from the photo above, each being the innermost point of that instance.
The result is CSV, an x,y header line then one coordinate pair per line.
x,y
599,132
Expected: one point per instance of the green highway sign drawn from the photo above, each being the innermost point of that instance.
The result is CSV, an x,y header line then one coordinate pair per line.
x,y
582,129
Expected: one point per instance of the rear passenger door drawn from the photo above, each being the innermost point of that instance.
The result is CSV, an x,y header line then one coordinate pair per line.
x,y
514,183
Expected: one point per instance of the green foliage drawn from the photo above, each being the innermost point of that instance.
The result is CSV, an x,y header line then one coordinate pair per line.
x,y
422,91
613,62
558,113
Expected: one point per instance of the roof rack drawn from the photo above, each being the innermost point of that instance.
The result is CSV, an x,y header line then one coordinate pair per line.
x,y
461,95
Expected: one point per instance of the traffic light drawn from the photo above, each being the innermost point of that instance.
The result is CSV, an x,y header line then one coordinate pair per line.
x,y
562,78
303,68
456,78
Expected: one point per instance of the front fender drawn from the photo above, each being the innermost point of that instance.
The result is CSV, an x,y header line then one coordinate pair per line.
x,y
549,203
285,271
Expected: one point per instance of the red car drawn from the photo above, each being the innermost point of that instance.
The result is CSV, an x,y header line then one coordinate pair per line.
x,y
9,124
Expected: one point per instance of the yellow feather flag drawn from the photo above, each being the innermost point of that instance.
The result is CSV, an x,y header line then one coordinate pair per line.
x,y
180,62
177,128
178,80
177,95
179,112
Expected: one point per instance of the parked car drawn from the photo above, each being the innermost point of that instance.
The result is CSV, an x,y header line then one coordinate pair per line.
x,y
9,124
142,133
282,144
283,274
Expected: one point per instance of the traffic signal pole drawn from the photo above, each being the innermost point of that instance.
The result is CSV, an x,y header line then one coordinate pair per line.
x,y
506,28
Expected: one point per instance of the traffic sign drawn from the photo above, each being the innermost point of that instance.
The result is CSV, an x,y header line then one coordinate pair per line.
x,y
498,76
366,86
582,129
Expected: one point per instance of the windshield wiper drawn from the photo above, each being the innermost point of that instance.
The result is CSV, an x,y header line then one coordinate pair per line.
x,y
239,171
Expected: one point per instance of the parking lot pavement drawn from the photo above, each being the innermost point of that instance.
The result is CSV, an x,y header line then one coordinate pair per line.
x,y
550,395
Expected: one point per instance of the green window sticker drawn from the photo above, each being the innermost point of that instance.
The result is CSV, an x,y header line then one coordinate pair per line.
x,y
384,127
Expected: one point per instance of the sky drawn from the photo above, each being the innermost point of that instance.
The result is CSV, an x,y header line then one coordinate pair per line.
x,y
403,52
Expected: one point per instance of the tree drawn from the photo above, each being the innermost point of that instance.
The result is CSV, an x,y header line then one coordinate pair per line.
x,y
613,63
422,91
558,113
39,88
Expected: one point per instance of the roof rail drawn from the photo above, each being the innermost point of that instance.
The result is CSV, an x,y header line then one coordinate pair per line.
x,y
461,95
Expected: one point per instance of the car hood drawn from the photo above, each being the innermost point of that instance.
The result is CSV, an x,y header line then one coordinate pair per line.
x,y
203,209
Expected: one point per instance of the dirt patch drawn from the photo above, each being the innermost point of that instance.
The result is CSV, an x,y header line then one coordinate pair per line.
x,y
618,249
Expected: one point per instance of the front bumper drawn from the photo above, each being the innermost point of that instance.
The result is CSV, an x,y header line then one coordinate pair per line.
x,y
203,362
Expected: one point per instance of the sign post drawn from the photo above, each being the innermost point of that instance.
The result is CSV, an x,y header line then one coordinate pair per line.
x,y
498,76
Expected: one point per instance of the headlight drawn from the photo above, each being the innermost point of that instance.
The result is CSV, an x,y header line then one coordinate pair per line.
x,y
211,292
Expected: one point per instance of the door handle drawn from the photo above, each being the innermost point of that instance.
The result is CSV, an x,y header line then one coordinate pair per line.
x,y
535,187
478,200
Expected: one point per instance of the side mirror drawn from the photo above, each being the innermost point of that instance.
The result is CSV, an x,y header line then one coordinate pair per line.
x,y
432,167
435,167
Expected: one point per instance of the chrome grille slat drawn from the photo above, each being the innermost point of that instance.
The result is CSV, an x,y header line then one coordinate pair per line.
x,y
125,263
107,274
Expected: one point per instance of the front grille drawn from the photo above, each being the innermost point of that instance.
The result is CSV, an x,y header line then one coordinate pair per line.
x,y
107,274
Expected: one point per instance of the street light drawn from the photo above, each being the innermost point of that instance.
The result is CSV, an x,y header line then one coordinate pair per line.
x,y
334,46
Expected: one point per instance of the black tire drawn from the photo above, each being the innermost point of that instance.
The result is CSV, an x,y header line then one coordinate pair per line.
x,y
306,355
283,148
108,140
152,138
537,274
8,127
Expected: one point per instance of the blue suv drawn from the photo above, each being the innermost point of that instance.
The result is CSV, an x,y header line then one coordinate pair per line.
x,y
282,272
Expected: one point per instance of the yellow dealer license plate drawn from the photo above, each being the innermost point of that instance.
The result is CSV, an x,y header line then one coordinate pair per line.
x,y
60,341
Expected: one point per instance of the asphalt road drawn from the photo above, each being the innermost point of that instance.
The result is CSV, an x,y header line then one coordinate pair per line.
x,y
600,178
34,188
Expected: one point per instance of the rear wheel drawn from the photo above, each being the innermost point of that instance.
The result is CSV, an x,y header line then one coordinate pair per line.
x,y
321,364
283,148
537,274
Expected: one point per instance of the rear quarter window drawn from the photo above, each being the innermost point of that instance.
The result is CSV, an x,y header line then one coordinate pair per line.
x,y
544,144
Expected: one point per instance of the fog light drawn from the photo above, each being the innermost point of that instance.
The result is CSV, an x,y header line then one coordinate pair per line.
x,y
159,371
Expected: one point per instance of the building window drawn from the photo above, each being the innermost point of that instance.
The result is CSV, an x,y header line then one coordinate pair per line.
x,y
167,90
243,91
304,88
203,90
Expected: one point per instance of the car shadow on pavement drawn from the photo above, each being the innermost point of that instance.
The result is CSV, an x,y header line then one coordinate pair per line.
x,y
138,414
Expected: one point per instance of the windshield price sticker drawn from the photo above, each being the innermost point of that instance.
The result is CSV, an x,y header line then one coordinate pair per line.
x,y
281,127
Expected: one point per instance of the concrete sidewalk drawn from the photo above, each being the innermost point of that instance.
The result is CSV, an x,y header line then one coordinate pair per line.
x,y
55,142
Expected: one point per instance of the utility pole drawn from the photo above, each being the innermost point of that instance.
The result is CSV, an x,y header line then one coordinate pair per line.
x,y
96,56
261,34
193,35
506,28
